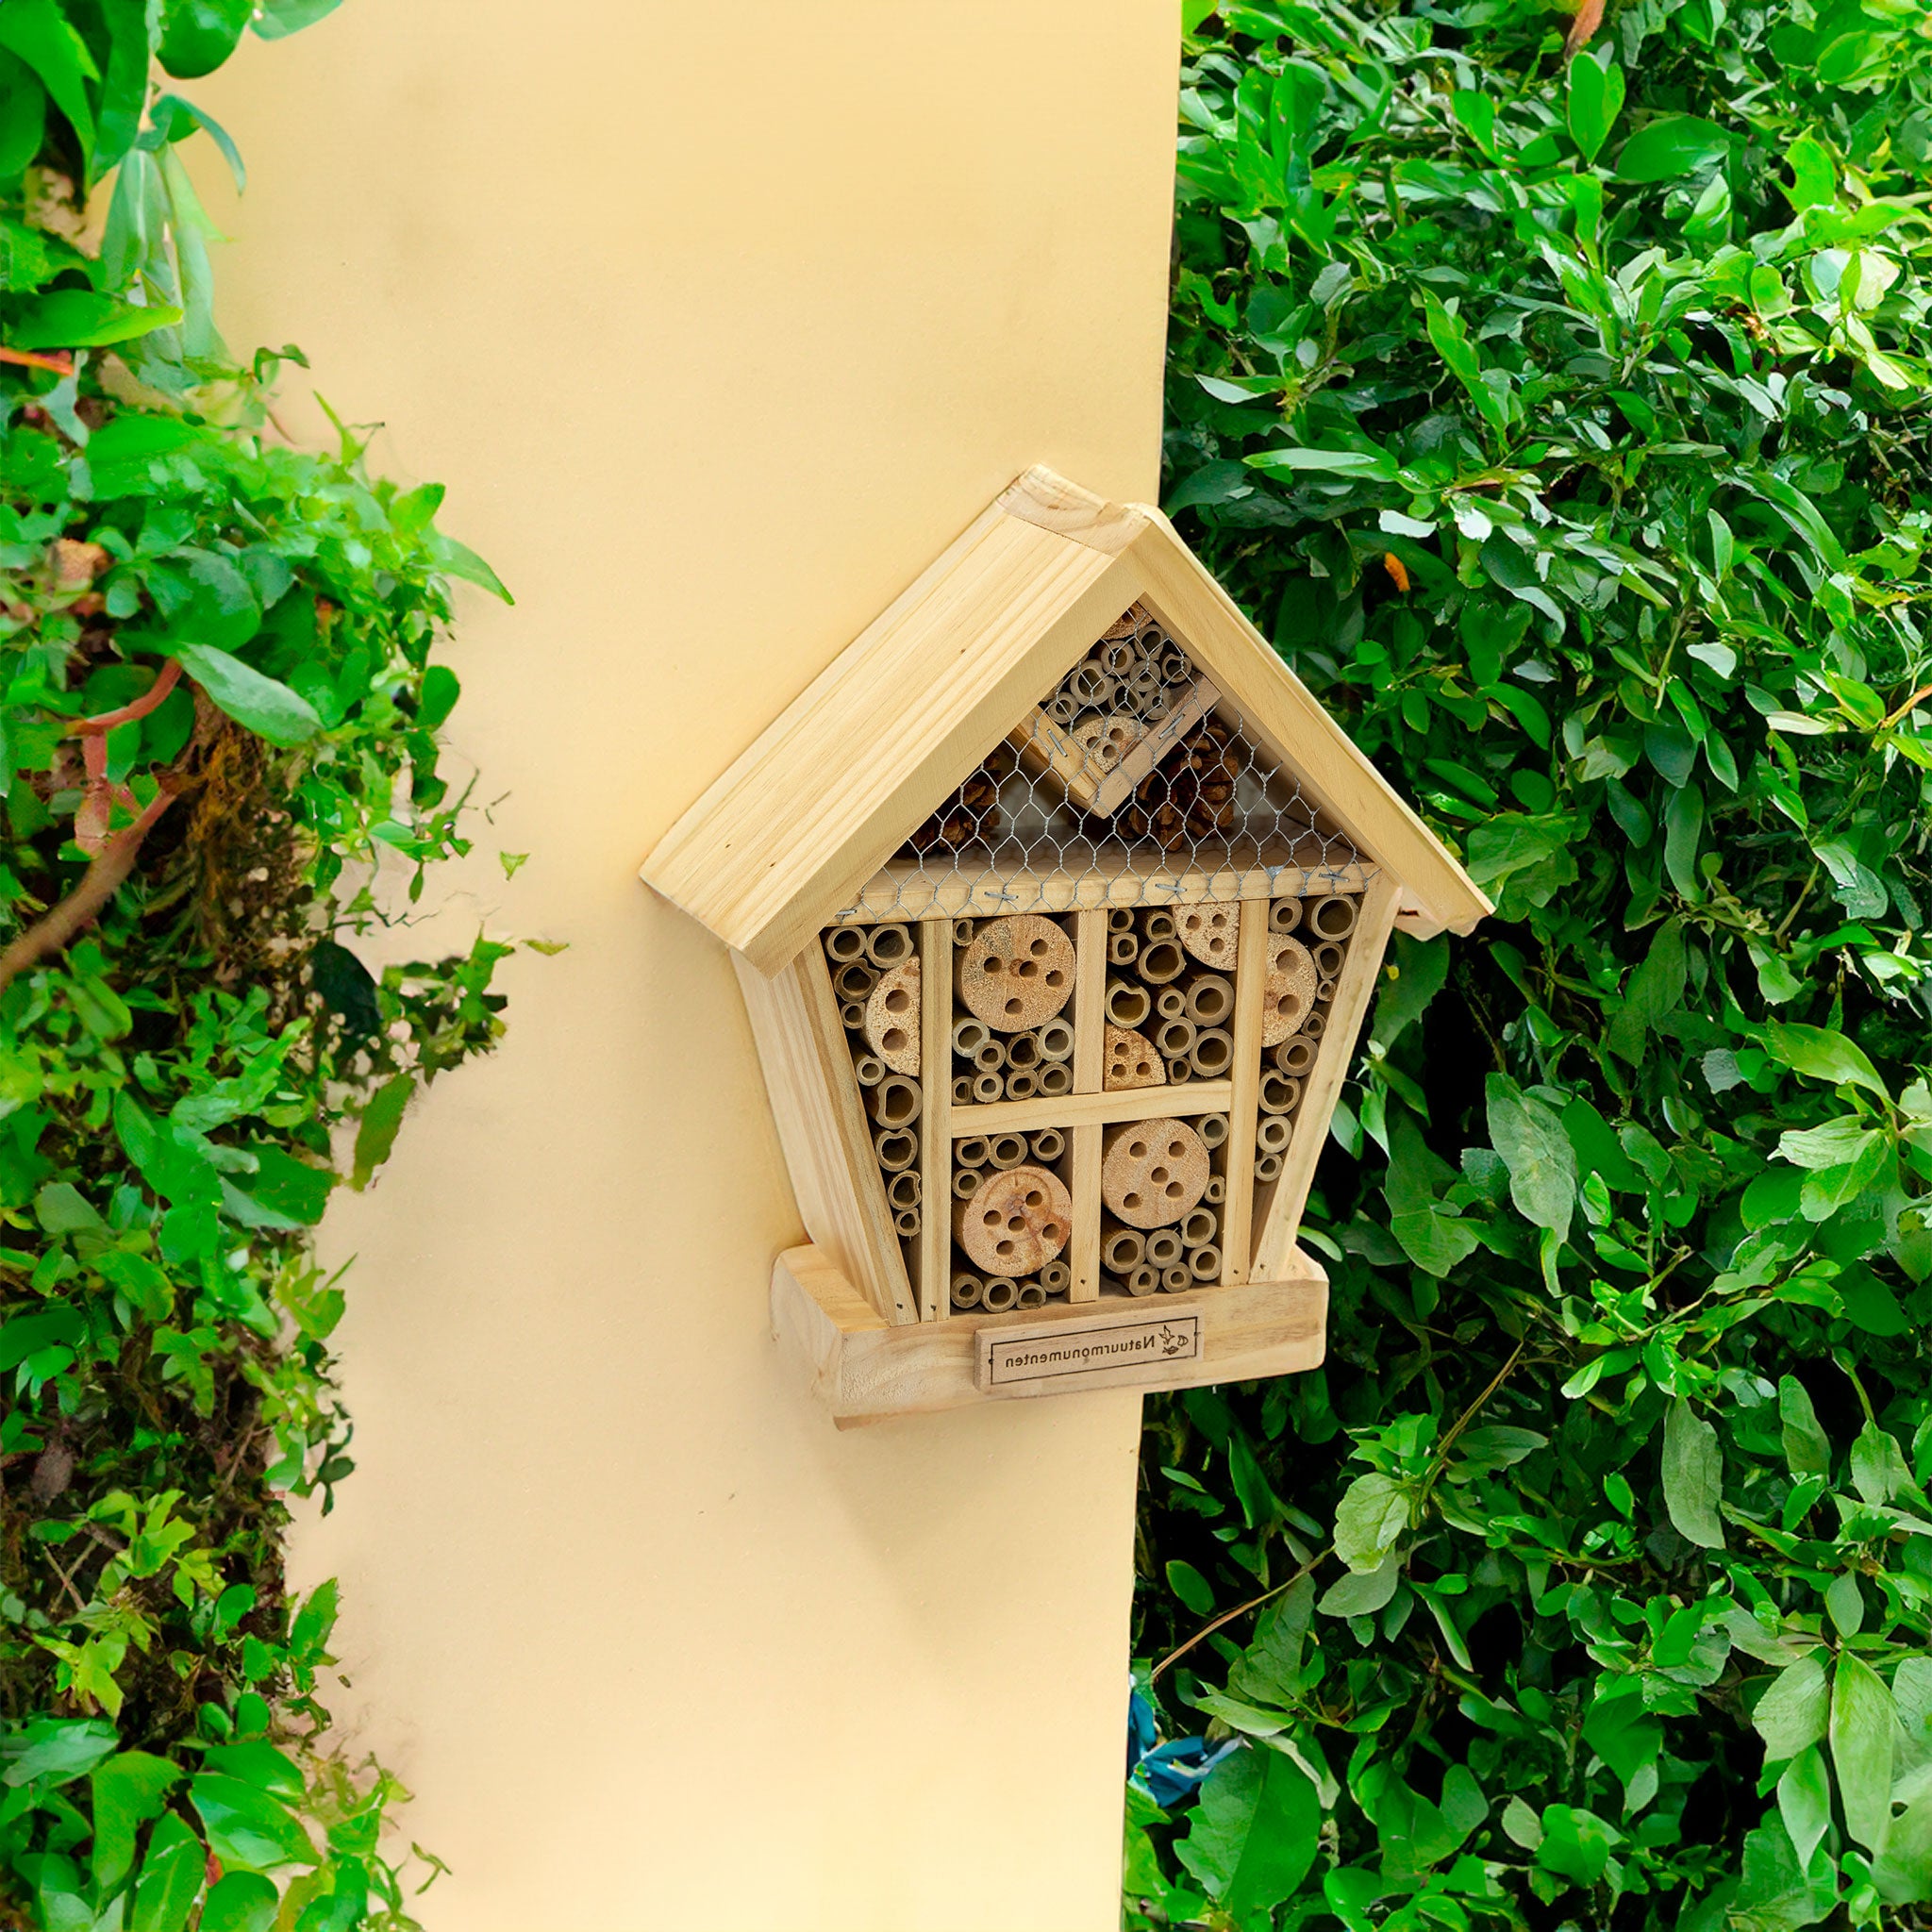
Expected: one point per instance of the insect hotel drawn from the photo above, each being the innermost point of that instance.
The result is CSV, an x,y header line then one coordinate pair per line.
x,y
1057,901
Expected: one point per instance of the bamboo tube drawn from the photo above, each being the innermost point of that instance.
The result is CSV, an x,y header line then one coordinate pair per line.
x,y
1296,1054
987,1087
1163,1248
1211,999
1143,690
970,1151
1016,973
1023,1050
991,1056
905,1224
1031,1295
895,1148
1329,957
1023,1083
1063,708
1314,1026
1210,931
962,1090
1055,1077
1212,1129
1268,1168
1090,685
962,932
1200,1227
999,1293
1173,1280
1120,656
1152,1172
1273,1132
1122,1248
889,945
1174,667
903,1189
1006,1151
1279,1094
891,1018
1325,992
969,1035
1143,1280
869,1069
1175,1038
1157,924
1335,917
1056,1041
1130,1061
1048,1145
966,1182
1055,1278
1017,1221
1290,988
1212,1053
852,1016
1179,1072
1215,1193
855,981
1161,961
1204,1262
1126,1004
1120,918
1284,915
1123,949
1171,1002
894,1101
845,944
966,1289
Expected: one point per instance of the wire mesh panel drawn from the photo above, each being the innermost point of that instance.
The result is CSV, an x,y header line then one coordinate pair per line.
x,y
1134,783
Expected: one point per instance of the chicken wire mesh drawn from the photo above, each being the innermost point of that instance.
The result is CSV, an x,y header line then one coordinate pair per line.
x,y
1133,783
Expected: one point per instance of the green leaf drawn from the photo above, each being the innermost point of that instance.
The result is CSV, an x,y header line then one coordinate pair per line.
x,y
170,1880
269,709
1693,1476
1863,1737
39,35
80,319
375,1133
52,1751
128,1790
1254,1836
1529,1136
23,124
1671,145
247,1829
1794,1712
275,18
1822,1055
1371,1520
241,1902
1804,1802
1807,1452
1190,1587
1597,98
199,35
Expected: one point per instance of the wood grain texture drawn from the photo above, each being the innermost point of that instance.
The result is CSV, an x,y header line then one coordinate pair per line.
x,y
863,1369
1283,718
822,1129
1275,1236
834,786
1083,1109
1044,745
1249,985
934,1140
1050,501
1090,1000
1084,1254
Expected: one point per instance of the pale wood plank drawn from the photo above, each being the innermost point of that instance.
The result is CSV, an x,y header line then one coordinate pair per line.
x,y
863,1369
1090,1000
1042,497
1046,746
1249,985
822,1129
1084,1256
816,805
1092,1109
935,1144
1284,717
1282,1218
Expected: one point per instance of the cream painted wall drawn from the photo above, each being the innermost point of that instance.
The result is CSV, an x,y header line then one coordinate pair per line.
x,y
719,323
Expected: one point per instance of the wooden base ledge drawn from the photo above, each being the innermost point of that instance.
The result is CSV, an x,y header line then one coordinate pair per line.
x,y
864,1368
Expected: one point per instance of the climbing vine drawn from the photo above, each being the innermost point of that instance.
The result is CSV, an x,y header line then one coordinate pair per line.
x,y
219,720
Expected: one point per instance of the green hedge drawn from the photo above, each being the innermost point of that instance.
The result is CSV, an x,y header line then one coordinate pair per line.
x,y
1566,426
218,752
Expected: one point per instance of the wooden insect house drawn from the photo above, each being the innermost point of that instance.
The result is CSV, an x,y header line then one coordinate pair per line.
x,y
1057,902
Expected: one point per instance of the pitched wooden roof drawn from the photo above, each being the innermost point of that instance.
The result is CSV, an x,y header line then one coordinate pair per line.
x,y
835,784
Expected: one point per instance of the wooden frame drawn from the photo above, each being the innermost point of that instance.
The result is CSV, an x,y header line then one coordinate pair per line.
x,y
797,840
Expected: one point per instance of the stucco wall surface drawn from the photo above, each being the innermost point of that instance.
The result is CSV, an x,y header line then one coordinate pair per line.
x,y
718,324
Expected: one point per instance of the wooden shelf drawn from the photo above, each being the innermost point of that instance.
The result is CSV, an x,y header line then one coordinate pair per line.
x,y
864,1368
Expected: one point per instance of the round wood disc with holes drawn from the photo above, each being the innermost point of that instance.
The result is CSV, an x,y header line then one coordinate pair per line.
x,y
1017,971
1016,1221
1152,1173
1131,1061
1106,740
1290,989
1210,932
891,1018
